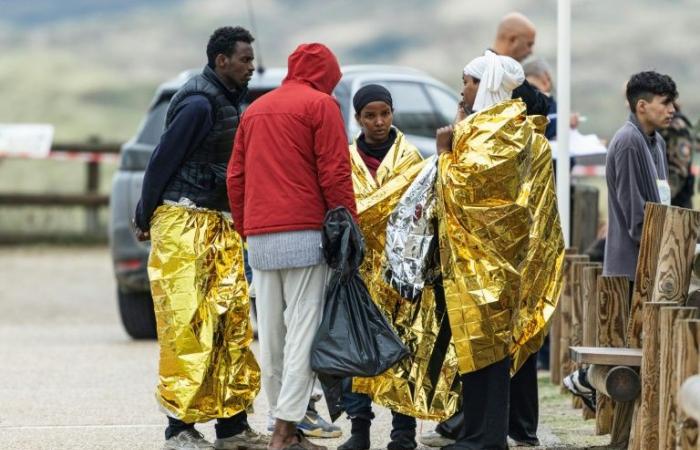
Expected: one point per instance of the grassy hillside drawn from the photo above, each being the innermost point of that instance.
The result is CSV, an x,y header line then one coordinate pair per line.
x,y
90,66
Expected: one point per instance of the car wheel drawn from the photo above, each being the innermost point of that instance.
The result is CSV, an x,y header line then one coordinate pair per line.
x,y
138,318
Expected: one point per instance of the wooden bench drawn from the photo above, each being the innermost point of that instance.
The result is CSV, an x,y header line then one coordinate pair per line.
x,y
607,356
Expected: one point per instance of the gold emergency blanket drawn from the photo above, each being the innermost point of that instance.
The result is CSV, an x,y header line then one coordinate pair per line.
x,y
500,241
200,296
422,384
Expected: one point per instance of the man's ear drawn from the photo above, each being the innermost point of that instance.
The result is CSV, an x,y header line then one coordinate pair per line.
x,y
220,60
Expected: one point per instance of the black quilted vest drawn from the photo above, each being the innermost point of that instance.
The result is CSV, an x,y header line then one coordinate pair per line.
x,y
202,176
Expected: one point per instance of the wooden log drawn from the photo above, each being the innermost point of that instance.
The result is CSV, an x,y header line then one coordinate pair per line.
x,y
693,299
687,340
666,253
620,383
647,262
648,416
612,314
667,386
564,360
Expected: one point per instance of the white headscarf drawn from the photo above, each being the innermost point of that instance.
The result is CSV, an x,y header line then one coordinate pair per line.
x,y
499,75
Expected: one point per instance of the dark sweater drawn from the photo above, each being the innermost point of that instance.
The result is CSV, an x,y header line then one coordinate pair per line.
x,y
191,123
634,163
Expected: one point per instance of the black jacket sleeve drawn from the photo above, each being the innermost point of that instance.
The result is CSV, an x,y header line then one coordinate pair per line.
x,y
535,101
190,125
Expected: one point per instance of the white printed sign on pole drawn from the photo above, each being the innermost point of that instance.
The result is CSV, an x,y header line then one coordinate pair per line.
x,y
26,140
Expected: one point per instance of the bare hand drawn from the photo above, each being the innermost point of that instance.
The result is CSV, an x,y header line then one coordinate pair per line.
x,y
461,113
139,233
443,139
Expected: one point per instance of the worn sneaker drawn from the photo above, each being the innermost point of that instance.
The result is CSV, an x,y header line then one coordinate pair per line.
x,y
189,439
247,440
577,384
435,439
314,425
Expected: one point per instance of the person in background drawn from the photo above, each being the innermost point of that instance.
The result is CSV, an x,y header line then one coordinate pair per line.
x,y
539,74
681,144
636,172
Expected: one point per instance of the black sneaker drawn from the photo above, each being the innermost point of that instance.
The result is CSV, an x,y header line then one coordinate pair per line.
x,y
577,384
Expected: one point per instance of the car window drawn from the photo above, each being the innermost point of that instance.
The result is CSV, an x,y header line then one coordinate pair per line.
x,y
413,113
154,123
445,103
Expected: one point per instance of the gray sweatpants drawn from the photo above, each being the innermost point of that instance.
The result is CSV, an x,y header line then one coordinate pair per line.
x,y
290,307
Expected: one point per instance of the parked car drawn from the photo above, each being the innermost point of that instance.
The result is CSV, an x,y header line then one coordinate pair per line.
x,y
421,103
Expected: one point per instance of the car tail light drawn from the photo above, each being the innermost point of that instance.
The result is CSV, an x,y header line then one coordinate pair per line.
x,y
129,264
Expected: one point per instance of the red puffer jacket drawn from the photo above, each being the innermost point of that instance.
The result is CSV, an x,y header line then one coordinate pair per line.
x,y
290,161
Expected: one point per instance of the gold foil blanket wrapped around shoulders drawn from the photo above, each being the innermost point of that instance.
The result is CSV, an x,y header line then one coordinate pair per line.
x,y
500,241
422,385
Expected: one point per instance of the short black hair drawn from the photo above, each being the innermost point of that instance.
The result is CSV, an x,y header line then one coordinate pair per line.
x,y
645,85
223,40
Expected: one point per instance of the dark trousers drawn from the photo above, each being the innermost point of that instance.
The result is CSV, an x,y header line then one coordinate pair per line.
x,y
225,428
523,411
359,406
523,417
485,395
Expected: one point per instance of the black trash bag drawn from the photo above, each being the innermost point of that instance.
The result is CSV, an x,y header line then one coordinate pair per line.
x,y
354,339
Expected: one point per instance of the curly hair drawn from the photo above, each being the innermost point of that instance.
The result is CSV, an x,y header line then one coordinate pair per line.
x,y
645,85
223,40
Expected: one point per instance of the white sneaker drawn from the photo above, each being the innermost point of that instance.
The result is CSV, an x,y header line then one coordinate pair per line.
x,y
435,439
189,439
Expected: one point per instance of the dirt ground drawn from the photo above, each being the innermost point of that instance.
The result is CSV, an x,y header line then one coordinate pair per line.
x,y
71,378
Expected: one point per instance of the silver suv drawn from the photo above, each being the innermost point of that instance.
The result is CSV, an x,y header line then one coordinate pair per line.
x,y
421,103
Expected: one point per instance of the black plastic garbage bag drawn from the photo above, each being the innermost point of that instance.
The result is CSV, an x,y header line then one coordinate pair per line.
x,y
354,339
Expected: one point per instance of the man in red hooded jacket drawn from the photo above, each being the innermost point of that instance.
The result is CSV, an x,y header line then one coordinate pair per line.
x,y
290,165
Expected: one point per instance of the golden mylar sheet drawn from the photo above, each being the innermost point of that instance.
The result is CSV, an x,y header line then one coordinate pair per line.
x,y
200,296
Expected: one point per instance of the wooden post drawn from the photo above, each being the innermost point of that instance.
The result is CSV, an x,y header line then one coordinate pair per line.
x,y
576,338
566,305
667,385
665,258
648,416
555,330
589,297
92,185
554,345
687,339
612,315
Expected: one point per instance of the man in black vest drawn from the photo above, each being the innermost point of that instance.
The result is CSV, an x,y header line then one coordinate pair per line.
x,y
207,370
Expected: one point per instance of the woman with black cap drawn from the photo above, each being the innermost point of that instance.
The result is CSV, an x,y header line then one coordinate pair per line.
x,y
379,153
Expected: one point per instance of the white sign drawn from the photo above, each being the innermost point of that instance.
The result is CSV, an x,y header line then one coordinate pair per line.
x,y
26,140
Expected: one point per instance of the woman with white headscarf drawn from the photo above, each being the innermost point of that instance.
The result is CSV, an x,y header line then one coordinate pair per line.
x,y
487,80
490,242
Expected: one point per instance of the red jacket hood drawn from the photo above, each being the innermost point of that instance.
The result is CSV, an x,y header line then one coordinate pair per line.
x,y
314,64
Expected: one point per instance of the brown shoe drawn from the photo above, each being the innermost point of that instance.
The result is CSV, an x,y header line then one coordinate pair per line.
x,y
307,444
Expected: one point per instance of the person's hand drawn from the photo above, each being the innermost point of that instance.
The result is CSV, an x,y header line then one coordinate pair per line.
x,y
461,113
443,139
139,233
574,120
